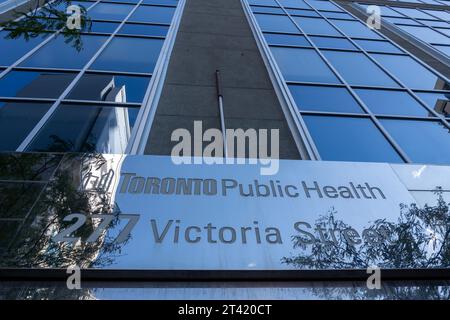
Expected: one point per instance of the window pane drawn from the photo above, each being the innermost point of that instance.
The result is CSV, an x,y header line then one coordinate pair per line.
x,y
439,102
377,46
58,54
413,13
294,4
162,2
423,141
302,12
391,102
129,54
13,49
106,87
153,14
286,39
275,23
86,128
410,72
267,10
350,139
355,29
34,84
323,5
105,27
144,29
303,65
333,43
357,69
263,2
316,26
110,11
321,98
17,119
426,34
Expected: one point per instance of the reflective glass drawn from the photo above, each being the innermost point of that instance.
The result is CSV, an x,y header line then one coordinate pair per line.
x,y
86,128
144,29
443,49
401,21
357,69
263,2
267,10
355,29
337,15
349,139
444,15
17,119
126,1
105,27
161,2
109,11
13,49
129,54
440,102
423,141
302,12
34,84
409,71
391,102
107,87
153,14
323,5
316,26
286,39
426,34
303,65
276,23
324,98
294,4
59,54
333,43
413,13
377,46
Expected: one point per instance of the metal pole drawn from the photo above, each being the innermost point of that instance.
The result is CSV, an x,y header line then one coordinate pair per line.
x,y
222,116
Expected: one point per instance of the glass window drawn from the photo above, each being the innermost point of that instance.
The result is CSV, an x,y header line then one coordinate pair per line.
x,y
413,13
401,21
391,102
153,14
316,26
349,139
324,98
357,69
332,43
13,49
276,23
426,34
355,29
323,5
303,12
377,46
17,119
443,49
104,27
86,128
267,10
107,87
303,65
444,15
385,11
435,23
263,2
59,54
109,11
129,54
294,4
161,2
144,29
423,141
337,15
286,39
439,102
409,71
34,84
126,1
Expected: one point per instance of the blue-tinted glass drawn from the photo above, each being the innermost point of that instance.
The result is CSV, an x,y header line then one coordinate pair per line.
x,y
440,102
391,102
385,11
153,14
58,54
423,141
13,49
321,98
409,71
413,13
426,34
303,65
286,39
378,46
349,139
275,23
357,69
445,31
267,10
355,29
333,43
89,128
316,26
263,2
110,11
443,49
129,54
106,87
34,84
435,23
323,5
144,29
105,27
302,12
294,4
161,2
401,21
444,15
126,1
337,15
17,119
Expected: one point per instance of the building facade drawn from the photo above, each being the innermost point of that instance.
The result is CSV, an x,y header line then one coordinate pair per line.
x,y
352,99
